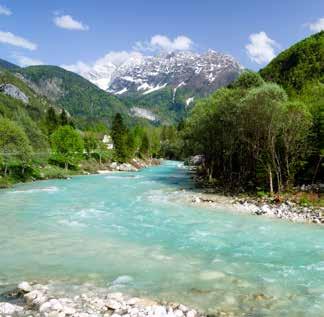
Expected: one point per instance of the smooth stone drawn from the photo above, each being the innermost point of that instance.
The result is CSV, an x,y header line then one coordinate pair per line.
x,y
124,279
160,311
9,309
35,297
178,313
52,304
25,287
191,313
133,301
183,308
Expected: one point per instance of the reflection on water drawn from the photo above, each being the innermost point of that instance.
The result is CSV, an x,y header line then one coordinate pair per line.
x,y
134,232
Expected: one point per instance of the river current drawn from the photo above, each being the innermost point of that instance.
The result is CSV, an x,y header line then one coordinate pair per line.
x,y
136,232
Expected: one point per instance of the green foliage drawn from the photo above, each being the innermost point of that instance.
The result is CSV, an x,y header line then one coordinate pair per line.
x,y
249,136
31,116
15,150
91,142
145,146
248,80
67,146
119,136
82,99
300,70
301,64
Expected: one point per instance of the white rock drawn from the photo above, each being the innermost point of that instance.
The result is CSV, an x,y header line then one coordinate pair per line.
x,y
266,209
133,301
178,313
52,304
113,304
191,313
35,297
9,309
25,287
183,308
159,311
55,313
69,310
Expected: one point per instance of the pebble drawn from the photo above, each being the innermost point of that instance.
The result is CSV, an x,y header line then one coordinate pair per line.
x,y
40,301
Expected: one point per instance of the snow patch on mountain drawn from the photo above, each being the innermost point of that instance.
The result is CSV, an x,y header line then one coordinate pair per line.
x,y
158,87
201,73
121,91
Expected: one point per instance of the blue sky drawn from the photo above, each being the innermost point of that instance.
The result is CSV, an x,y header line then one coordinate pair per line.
x,y
66,32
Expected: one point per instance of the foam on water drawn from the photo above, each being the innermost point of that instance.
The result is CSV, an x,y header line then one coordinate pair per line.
x,y
103,228
50,189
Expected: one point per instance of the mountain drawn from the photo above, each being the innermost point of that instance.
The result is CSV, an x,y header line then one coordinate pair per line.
x,y
7,65
19,103
301,64
82,99
162,87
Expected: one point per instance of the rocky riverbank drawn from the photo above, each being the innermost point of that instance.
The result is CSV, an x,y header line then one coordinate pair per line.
x,y
286,210
84,301
133,166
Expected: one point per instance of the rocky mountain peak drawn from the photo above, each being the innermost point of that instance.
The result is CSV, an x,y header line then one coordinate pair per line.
x,y
146,74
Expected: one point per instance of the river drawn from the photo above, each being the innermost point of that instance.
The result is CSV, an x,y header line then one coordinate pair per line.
x,y
137,233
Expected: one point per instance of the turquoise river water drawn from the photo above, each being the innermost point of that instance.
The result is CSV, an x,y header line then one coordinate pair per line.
x,y
137,233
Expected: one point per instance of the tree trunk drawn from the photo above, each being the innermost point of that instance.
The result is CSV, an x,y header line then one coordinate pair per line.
x,y
6,170
66,166
317,168
270,180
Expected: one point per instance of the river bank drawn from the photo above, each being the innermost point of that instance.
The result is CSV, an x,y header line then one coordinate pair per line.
x,y
84,301
286,210
47,172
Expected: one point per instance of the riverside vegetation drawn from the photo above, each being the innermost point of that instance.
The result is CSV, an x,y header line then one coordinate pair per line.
x,y
264,133
71,151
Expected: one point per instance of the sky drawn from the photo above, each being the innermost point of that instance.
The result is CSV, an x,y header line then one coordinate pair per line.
x,y
82,33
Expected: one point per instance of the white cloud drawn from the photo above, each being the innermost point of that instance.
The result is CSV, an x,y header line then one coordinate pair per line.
x,y
27,61
12,39
261,48
317,26
67,22
4,10
164,43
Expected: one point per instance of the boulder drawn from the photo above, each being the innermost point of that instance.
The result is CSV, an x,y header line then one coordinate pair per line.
x,y
35,298
25,287
51,305
9,309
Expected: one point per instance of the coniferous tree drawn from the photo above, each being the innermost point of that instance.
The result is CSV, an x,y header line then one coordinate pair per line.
x,y
119,137
145,146
64,120
51,120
